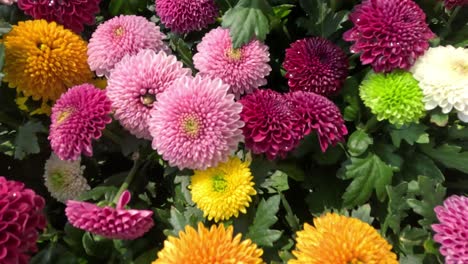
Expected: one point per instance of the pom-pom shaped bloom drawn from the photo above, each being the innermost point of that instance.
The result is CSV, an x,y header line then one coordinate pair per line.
x,y
452,230
244,69
135,83
389,34
214,245
339,239
195,124
271,125
443,76
315,65
120,36
72,14
21,218
113,223
395,97
77,118
450,4
320,115
184,16
64,179
43,60
223,191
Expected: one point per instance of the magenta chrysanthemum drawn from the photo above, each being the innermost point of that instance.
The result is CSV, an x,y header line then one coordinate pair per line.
x,y
271,125
113,223
320,115
244,69
77,118
452,231
184,16
389,34
195,123
21,218
72,14
450,4
135,83
315,65
120,36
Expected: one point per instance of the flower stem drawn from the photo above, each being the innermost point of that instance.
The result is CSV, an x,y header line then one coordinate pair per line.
x,y
129,178
448,28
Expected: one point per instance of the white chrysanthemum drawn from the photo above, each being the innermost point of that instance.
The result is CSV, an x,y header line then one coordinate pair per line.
x,y
442,73
64,179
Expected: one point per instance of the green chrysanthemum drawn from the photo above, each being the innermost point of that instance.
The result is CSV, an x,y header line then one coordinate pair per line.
x,y
394,96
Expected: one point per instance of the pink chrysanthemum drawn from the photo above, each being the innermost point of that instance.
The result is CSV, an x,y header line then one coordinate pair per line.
x,y
184,16
389,34
135,83
320,115
77,118
452,232
120,36
113,223
244,69
72,14
450,4
271,125
21,218
195,123
315,65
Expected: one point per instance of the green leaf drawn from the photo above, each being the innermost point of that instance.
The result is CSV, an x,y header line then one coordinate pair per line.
x,y
440,119
411,259
183,51
368,174
396,208
451,156
411,237
265,216
98,192
146,257
277,182
26,139
413,133
350,93
178,221
280,12
363,213
97,246
2,59
418,164
292,170
458,132
387,153
358,142
321,20
54,253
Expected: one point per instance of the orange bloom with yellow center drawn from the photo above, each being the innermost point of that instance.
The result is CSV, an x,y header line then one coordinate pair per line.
x,y
337,239
206,246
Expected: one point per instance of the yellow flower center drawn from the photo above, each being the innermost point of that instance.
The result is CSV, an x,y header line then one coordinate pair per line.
x,y
219,183
148,99
461,66
119,31
234,54
62,116
191,126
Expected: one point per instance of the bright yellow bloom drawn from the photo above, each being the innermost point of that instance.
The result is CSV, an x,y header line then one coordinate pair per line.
x,y
223,191
216,245
337,239
43,60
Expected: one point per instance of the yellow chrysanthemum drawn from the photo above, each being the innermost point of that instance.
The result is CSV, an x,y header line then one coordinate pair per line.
x,y
337,239
223,191
43,60
214,245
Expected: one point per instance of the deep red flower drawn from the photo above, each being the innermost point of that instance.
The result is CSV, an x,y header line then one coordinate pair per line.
x,y
450,4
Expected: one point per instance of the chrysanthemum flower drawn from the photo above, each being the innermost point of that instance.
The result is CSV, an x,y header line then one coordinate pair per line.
x,y
77,118
72,14
320,115
389,34
339,239
43,60
113,223
244,69
395,97
195,124
214,245
450,4
271,125
223,191
315,65
452,230
120,36
184,16
64,179
21,218
135,84
443,76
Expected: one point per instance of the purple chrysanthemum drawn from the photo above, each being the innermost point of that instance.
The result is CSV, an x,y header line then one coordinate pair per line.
x,y
77,118
315,65
450,4
452,232
244,69
72,14
389,34
120,36
184,16
135,83
271,125
320,115
195,123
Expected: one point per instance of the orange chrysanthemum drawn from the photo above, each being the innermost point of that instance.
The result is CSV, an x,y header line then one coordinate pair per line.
x,y
214,245
337,239
43,60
